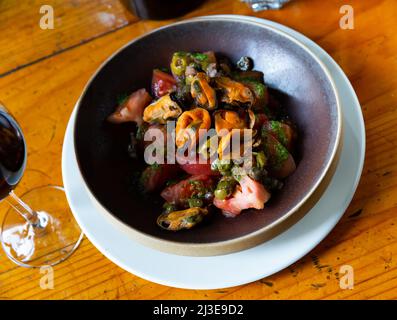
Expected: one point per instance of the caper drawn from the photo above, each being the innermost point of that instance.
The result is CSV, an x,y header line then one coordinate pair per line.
x,y
238,172
221,165
220,194
225,187
195,202
169,207
245,63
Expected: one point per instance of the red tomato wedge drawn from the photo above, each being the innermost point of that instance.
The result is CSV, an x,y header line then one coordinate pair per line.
x,y
199,168
131,110
155,177
162,83
249,194
185,189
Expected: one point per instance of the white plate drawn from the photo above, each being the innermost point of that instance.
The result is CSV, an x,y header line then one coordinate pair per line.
x,y
244,266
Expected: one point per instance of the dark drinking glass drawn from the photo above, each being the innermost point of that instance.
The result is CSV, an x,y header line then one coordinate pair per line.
x,y
39,228
162,9
12,154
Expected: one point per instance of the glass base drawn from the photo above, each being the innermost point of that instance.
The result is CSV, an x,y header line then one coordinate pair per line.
x,y
31,246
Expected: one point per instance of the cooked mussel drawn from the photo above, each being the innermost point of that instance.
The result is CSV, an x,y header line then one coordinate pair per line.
x,y
234,92
183,219
236,145
161,110
202,92
189,124
226,120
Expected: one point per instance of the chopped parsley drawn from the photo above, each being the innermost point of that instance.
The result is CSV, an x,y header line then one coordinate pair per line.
x,y
277,129
282,154
155,166
199,56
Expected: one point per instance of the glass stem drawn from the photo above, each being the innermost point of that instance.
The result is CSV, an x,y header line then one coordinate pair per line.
x,y
23,209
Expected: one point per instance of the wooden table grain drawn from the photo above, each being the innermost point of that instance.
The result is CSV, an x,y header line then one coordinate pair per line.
x,y
42,73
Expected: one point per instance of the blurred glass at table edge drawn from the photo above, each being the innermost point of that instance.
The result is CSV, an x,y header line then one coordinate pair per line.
x,y
161,9
168,9
260,5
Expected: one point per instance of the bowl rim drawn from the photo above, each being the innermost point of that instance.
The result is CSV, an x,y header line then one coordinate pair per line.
x,y
223,246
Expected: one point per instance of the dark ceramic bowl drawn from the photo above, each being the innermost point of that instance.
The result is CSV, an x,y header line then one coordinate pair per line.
x,y
304,86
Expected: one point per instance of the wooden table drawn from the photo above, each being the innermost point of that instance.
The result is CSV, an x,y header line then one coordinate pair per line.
x,y
42,73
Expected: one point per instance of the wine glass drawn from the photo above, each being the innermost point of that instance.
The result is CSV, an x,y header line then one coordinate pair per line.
x,y
39,228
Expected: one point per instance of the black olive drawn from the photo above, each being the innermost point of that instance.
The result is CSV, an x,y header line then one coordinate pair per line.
x,y
245,64
182,95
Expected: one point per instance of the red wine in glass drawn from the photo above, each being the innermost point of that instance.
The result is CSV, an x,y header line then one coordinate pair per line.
x,y
38,229
12,154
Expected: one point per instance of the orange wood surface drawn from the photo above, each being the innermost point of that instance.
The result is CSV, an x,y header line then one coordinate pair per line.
x,y
42,73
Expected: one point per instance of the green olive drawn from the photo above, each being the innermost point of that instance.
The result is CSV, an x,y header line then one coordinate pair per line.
x,y
179,63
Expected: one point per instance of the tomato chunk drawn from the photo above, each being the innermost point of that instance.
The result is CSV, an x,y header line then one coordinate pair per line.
x,y
180,192
249,194
199,168
154,177
131,110
194,167
162,83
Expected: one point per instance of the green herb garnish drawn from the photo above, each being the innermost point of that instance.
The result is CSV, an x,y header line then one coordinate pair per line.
x,y
193,202
199,56
277,129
